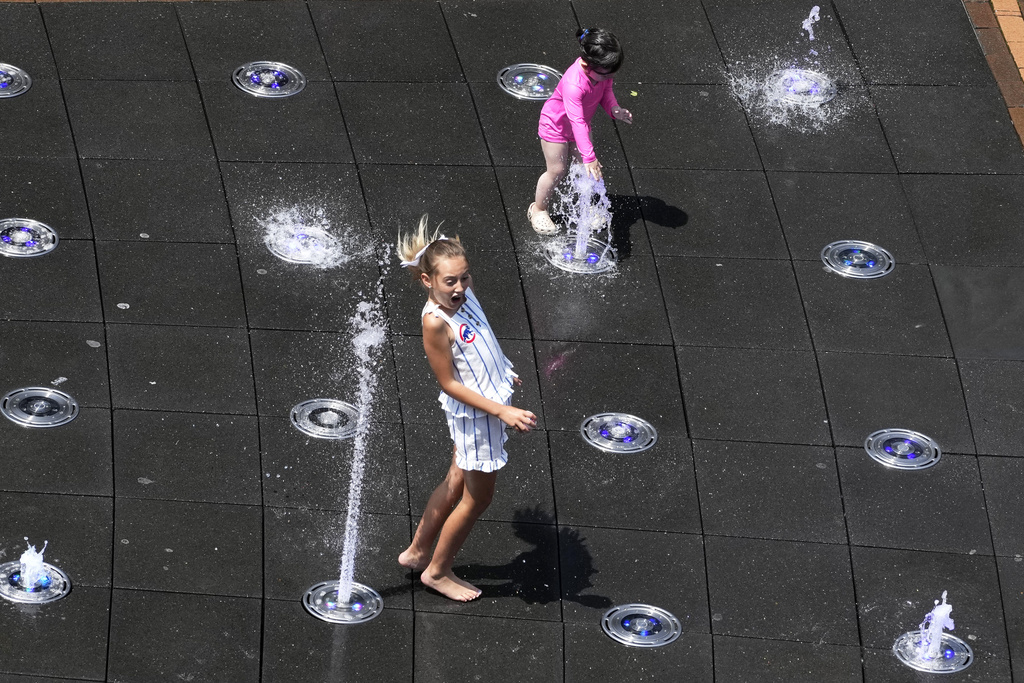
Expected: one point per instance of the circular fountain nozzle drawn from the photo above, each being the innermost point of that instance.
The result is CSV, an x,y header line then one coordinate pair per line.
x,y
326,418
302,244
857,259
639,625
24,237
53,585
529,81
597,257
618,433
902,449
362,605
801,87
13,81
269,79
39,407
953,654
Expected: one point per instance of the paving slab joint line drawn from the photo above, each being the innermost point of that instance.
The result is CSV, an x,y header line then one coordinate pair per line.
x,y
1009,19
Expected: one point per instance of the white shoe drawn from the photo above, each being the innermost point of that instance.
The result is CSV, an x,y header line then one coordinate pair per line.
x,y
541,221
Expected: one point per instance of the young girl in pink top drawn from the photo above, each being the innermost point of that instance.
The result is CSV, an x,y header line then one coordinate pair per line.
x,y
566,117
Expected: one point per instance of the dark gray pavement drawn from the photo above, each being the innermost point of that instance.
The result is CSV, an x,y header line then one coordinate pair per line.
x,y
191,516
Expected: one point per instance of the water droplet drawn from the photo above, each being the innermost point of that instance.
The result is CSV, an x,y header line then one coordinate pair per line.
x,y
123,306
124,541
144,235
261,271
93,344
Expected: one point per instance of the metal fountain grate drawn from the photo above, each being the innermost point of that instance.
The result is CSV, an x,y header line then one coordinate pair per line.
x,y
24,237
639,625
801,87
363,604
54,586
599,256
13,81
306,244
954,654
857,259
39,407
618,432
269,79
902,449
529,81
326,418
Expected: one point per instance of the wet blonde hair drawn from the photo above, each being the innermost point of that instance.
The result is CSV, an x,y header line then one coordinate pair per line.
x,y
409,245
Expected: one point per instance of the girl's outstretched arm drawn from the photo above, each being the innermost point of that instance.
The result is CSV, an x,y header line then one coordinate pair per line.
x,y
572,100
437,346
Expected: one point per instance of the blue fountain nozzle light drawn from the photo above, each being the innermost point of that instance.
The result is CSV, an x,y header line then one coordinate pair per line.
x,y
42,584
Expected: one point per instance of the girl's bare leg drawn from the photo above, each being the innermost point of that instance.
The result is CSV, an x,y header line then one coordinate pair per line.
x,y
556,158
477,492
442,502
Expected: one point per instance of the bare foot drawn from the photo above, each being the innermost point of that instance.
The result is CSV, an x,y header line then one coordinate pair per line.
x,y
451,586
413,560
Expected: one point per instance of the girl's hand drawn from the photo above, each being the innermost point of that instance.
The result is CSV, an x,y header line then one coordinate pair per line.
x,y
517,418
593,169
622,114
516,381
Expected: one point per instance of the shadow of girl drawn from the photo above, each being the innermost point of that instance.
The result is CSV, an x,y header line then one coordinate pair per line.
x,y
530,575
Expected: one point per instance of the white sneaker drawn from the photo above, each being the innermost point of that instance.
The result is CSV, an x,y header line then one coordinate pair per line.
x,y
541,221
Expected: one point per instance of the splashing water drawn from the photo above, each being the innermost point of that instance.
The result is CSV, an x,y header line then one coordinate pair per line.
x,y
304,235
370,327
32,569
808,24
932,626
583,203
795,93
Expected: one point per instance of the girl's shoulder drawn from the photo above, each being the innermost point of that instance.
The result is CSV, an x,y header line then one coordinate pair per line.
x,y
575,71
434,324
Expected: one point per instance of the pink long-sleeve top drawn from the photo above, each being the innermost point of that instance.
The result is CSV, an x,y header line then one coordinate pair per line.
x,y
567,113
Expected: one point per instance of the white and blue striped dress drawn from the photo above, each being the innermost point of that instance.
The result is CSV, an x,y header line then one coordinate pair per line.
x,y
479,365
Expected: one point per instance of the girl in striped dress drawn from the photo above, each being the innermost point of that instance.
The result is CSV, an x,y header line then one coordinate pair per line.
x,y
476,388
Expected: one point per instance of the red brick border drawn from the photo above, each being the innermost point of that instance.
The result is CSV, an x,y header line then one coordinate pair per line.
x,y
1000,28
